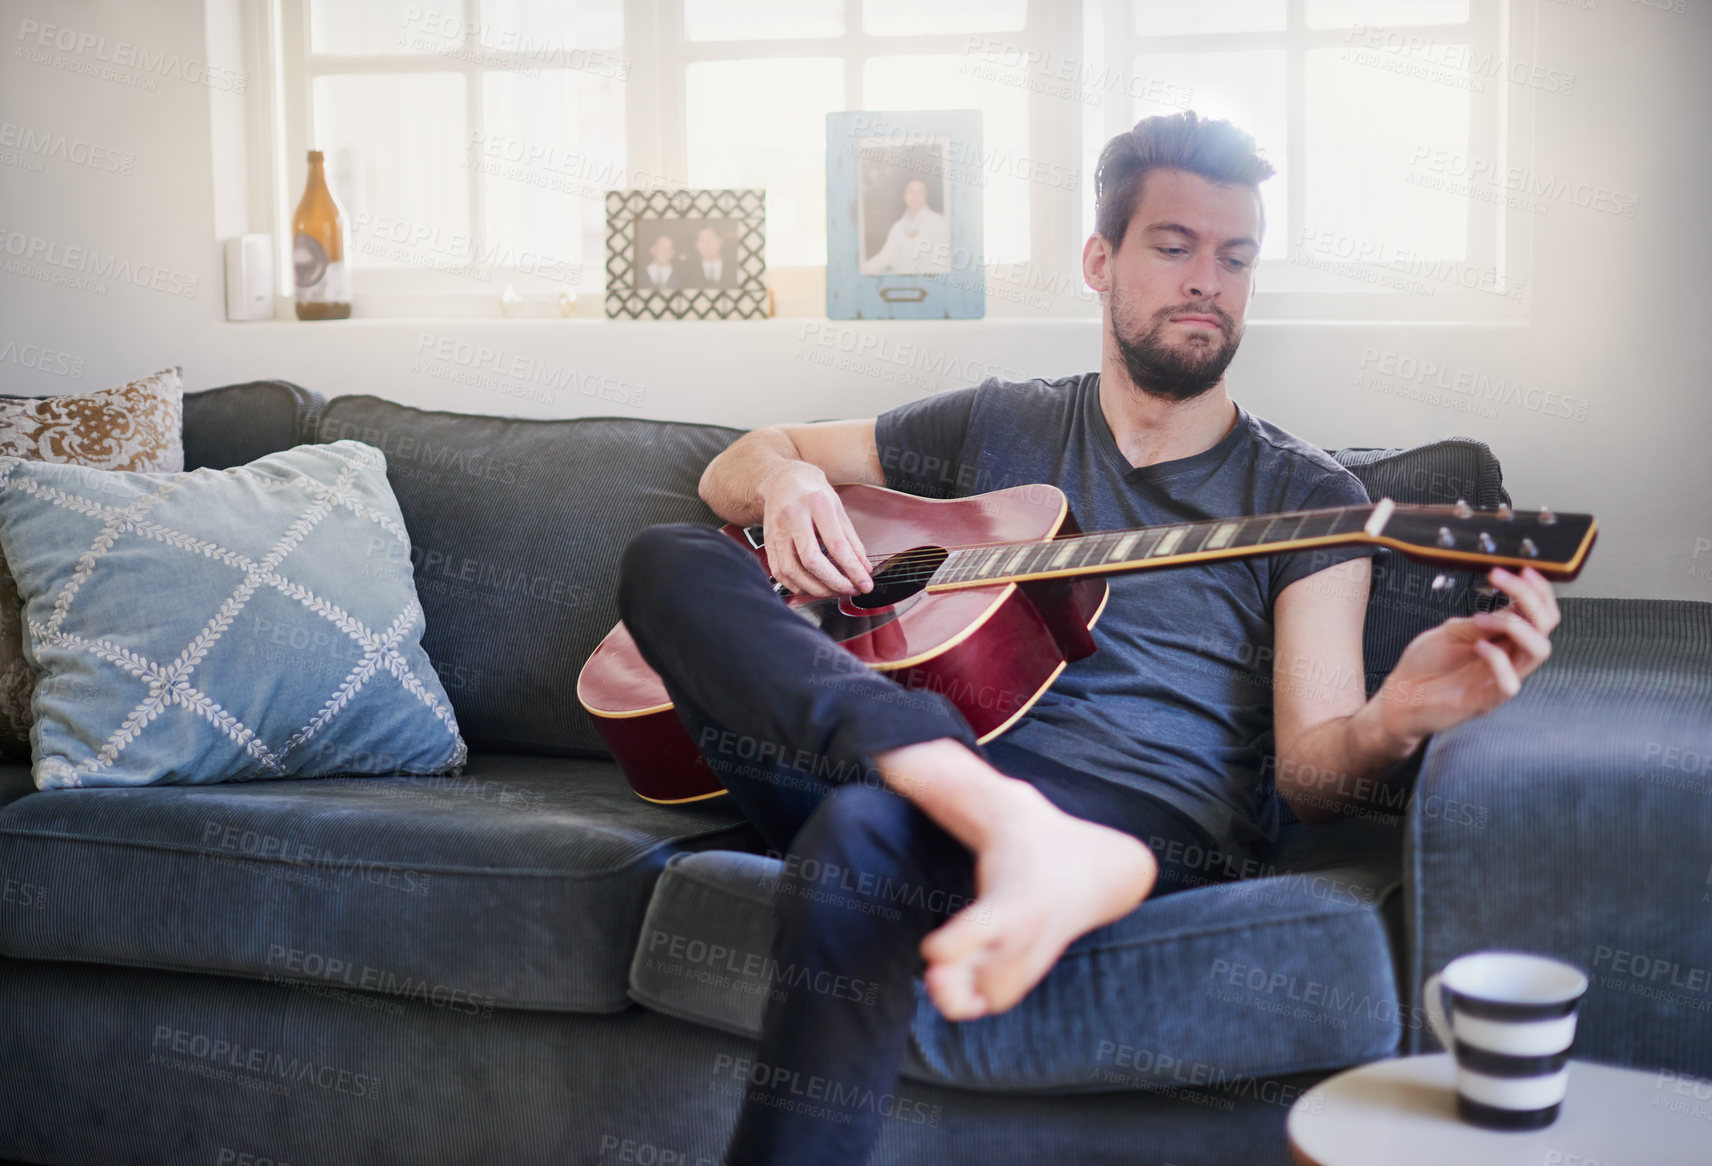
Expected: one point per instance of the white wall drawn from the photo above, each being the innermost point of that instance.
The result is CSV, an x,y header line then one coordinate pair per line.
x,y
1617,306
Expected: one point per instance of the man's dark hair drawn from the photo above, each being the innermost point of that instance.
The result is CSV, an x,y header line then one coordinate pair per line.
x,y
1216,150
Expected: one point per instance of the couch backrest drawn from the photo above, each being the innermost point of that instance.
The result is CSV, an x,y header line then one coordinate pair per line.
x,y
1402,603
235,424
517,526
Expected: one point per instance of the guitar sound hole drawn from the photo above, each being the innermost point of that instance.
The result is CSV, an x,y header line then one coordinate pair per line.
x,y
902,576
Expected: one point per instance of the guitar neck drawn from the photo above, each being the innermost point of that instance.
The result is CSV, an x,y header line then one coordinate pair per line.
x,y
1460,536
1107,552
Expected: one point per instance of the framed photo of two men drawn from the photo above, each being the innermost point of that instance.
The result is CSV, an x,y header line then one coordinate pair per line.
x,y
903,215
686,254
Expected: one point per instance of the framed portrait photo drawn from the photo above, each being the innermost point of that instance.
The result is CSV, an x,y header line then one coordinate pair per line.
x,y
686,254
903,216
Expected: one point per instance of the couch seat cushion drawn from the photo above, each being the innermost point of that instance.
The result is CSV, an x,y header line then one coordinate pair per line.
x,y
1270,975
520,884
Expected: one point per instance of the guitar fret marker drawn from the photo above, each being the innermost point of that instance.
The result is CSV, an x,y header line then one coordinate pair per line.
x,y
1121,551
1222,536
1063,556
1170,541
1381,515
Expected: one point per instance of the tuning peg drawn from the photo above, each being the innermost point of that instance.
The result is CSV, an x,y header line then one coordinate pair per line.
x,y
1446,538
1486,543
1547,518
1504,513
1529,549
1462,509
1443,582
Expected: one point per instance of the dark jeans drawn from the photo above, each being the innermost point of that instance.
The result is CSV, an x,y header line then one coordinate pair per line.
x,y
791,723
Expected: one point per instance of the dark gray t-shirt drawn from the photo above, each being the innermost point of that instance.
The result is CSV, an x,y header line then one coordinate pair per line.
x,y
1177,700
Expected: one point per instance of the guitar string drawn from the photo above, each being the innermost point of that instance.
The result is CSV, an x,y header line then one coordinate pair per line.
x,y
894,558
914,573
954,547
924,572
1410,507
1142,529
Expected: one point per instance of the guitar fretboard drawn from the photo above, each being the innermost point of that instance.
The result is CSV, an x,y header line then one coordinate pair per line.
x,y
1116,550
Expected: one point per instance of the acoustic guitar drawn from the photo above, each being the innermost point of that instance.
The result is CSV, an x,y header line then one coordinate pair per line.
x,y
987,598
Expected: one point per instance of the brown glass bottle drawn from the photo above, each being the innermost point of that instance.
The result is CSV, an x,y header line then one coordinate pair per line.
x,y
318,250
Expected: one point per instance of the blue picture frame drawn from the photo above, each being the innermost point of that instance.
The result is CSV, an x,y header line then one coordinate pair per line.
x,y
903,216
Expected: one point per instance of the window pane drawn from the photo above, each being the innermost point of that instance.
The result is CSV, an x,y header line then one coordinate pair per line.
x,y
552,147
526,25
1001,94
923,17
1246,88
394,147
1384,13
1176,18
1366,128
384,26
763,123
762,19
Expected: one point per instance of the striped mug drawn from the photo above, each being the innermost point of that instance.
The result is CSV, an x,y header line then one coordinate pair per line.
x,y
1511,1025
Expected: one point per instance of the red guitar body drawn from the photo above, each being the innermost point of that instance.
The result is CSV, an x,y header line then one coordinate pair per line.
x,y
992,650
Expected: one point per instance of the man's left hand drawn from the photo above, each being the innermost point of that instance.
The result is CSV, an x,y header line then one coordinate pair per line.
x,y
1469,665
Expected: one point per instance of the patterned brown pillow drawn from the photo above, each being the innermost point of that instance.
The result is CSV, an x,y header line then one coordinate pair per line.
x,y
137,426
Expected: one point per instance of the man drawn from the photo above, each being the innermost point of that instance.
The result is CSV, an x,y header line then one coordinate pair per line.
x,y
710,268
919,243
662,273
1069,819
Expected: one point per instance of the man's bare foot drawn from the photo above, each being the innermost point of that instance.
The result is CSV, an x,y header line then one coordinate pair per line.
x,y
1043,878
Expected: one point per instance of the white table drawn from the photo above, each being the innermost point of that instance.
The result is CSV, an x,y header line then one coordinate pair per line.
x,y
1403,1112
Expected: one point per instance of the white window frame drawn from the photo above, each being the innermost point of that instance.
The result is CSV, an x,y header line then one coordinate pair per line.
x,y
1500,239
657,54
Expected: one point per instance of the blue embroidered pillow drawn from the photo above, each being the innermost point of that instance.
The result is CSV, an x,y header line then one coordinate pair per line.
x,y
222,625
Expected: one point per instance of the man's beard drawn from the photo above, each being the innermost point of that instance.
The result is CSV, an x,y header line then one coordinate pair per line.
x,y
1182,372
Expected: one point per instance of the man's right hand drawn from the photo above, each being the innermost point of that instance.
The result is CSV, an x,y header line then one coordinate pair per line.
x,y
801,511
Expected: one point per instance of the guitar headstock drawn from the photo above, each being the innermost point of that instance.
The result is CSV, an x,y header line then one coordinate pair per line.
x,y
1554,543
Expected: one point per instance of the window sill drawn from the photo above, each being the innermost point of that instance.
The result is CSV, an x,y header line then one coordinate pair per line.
x,y
799,296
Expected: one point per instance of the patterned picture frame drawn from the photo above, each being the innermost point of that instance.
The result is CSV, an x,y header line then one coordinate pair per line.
x,y
647,280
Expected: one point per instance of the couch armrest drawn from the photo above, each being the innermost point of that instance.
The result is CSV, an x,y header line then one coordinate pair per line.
x,y
1576,821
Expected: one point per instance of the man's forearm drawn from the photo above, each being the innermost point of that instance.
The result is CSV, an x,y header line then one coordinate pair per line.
x,y
1339,765
731,483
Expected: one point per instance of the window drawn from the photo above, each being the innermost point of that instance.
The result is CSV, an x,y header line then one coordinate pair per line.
x,y
472,141
1370,111
758,77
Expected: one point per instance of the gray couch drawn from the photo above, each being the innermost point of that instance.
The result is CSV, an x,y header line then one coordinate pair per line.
x,y
529,965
